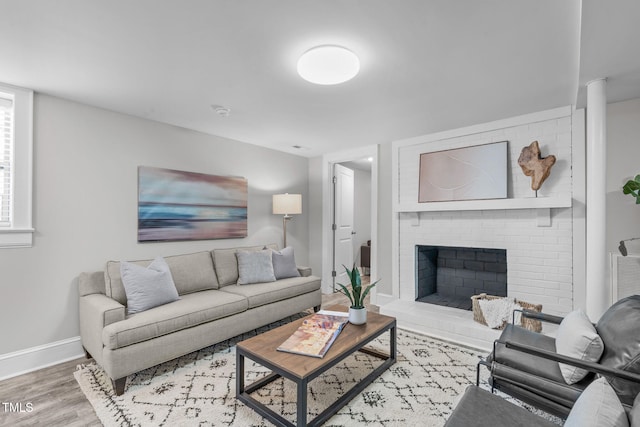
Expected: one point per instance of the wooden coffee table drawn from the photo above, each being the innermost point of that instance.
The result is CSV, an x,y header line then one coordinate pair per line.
x,y
302,369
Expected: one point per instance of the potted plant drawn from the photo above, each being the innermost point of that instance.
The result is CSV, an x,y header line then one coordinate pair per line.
x,y
357,310
633,187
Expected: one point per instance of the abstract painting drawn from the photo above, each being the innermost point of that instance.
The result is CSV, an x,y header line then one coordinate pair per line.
x,y
468,173
177,205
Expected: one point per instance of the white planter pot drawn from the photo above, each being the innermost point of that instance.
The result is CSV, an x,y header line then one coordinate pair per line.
x,y
357,316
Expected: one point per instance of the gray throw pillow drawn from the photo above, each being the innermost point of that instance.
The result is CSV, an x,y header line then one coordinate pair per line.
x,y
284,263
147,287
255,267
577,338
597,406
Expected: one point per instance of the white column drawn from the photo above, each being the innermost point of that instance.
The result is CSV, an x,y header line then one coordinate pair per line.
x,y
597,289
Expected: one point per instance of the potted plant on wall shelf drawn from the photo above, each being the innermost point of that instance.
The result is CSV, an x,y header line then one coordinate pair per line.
x,y
632,187
357,310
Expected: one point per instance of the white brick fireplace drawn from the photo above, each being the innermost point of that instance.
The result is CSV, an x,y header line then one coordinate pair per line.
x,y
542,235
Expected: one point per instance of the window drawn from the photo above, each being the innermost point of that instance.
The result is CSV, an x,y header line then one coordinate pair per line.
x,y
16,151
6,157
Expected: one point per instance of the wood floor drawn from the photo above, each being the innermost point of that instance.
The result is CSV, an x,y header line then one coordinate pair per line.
x,y
51,397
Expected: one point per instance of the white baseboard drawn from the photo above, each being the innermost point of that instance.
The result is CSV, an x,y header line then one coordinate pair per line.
x,y
34,358
382,299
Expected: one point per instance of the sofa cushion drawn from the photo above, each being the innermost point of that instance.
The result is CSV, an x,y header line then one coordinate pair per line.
x,y
284,263
618,328
597,406
255,267
226,263
265,293
191,310
190,272
147,287
577,338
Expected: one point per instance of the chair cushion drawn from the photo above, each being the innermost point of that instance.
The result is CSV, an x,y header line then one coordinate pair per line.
x,y
597,406
191,310
525,362
265,293
618,328
577,338
147,287
255,267
478,407
556,397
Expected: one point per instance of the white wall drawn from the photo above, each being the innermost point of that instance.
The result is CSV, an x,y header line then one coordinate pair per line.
x,y
623,163
85,208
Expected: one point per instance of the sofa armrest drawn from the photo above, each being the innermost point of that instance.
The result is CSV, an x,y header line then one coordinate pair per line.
x,y
304,271
590,366
96,312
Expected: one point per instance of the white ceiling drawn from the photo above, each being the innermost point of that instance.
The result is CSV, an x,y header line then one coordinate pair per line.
x,y
426,66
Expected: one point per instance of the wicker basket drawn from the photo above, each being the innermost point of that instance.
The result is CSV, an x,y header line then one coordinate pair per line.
x,y
527,323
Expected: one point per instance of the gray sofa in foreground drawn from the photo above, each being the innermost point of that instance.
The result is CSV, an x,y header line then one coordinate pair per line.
x,y
212,307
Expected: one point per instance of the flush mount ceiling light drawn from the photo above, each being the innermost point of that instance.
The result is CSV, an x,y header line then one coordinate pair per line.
x,y
328,65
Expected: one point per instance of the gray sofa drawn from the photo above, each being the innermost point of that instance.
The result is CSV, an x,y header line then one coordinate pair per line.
x,y
211,308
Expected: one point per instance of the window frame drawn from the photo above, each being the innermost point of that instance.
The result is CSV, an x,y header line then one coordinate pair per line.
x,y
19,233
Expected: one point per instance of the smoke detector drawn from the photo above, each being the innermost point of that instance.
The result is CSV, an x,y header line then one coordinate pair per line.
x,y
221,110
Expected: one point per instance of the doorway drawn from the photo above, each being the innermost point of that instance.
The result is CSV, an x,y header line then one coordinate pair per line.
x,y
352,223
323,252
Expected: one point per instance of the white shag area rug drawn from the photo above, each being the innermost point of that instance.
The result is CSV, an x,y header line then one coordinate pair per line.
x,y
199,389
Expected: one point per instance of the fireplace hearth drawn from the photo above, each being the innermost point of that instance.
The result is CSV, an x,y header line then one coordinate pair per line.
x,y
449,276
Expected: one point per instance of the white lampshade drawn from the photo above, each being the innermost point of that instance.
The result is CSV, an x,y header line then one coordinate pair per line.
x,y
287,204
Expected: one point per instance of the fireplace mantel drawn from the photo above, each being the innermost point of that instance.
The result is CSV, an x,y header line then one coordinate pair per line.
x,y
493,204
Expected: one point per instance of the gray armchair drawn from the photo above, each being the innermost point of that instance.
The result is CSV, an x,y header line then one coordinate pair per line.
x,y
524,364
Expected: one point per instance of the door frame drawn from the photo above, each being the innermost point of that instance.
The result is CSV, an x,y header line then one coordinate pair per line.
x,y
328,160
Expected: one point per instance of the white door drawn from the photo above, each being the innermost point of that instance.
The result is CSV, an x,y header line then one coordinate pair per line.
x,y
343,222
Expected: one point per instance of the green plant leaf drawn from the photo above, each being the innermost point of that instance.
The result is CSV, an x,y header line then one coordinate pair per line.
x,y
356,274
632,187
345,291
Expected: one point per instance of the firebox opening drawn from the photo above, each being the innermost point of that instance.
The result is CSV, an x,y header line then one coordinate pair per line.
x,y
450,276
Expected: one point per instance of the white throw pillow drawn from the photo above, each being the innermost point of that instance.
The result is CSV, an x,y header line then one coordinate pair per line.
x,y
284,263
597,406
147,287
255,267
577,338
634,414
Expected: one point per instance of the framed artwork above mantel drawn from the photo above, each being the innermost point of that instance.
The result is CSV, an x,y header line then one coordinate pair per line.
x,y
177,205
476,172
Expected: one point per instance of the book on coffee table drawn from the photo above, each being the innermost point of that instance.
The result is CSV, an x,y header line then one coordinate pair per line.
x,y
316,334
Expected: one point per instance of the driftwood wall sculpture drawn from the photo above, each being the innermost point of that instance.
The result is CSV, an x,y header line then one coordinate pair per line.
x,y
535,166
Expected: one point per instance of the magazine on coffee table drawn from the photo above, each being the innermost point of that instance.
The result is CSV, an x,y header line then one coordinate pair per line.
x,y
316,334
